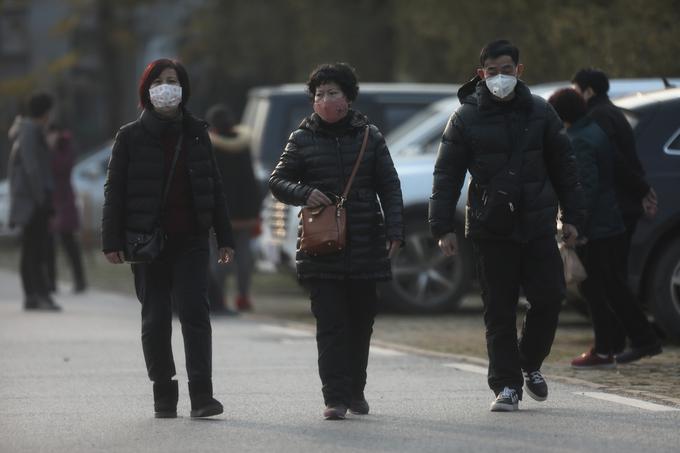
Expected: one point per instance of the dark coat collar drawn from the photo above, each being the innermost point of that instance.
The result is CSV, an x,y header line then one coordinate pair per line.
x,y
314,123
598,99
476,93
158,126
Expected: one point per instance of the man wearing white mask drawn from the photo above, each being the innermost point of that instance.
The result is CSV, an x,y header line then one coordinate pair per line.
x,y
522,167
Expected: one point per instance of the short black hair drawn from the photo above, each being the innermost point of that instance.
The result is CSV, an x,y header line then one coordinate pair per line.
x,y
340,73
153,70
498,48
39,104
569,105
221,117
593,78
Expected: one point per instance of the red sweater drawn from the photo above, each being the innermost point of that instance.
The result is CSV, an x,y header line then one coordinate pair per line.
x,y
178,215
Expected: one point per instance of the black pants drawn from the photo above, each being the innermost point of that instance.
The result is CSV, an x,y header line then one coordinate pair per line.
x,y
72,248
503,267
611,301
180,275
34,246
344,312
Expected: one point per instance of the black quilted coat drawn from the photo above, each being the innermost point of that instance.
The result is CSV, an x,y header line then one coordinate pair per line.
x,y
479,138
318,157
135,179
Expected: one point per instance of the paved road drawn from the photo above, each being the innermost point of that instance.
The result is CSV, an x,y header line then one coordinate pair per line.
x,y
75,381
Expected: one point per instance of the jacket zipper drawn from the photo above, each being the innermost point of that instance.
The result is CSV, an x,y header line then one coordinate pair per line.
x,y
342,186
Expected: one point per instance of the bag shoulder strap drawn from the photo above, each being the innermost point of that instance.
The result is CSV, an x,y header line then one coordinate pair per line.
x,y
175,157
356,165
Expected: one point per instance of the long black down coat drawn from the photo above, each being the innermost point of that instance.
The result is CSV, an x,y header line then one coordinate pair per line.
x,y
315,158
479,137
134,183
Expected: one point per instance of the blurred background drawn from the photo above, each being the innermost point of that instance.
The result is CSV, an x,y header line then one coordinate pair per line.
x,y
90,53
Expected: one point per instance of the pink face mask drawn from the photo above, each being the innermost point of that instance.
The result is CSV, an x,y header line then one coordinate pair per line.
x,y
332,110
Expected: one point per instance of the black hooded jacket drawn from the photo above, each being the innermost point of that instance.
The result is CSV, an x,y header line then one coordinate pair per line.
x,y
321,156
134,183
629,176
479,138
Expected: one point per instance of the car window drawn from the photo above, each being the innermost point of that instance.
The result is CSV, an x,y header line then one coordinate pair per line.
x,y
673,144
396,114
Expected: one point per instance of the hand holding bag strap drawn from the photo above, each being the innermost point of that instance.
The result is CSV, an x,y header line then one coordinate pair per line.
x,y
356,166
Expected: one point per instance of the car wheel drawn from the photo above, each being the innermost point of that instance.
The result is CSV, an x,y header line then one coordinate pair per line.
x,y
664,291
424,280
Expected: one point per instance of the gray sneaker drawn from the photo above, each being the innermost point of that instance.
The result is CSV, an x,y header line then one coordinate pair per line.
x,y
506,401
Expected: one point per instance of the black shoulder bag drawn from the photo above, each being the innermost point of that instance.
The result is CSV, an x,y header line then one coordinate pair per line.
x,y
147,247
501,197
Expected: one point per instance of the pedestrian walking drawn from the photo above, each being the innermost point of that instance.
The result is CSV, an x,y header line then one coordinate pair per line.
x,y
65,223
521,166
604,233
315,168
163,182
31,187
634,195
232,151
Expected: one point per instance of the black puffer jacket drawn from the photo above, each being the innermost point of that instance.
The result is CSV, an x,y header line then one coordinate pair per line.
x,y
318,158
629,176
479,137
135,180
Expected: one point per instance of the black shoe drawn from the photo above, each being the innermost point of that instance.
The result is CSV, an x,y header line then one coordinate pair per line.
x,y
359,406
202,402
535,385
40,302
165,397
634,354
335,412
506,401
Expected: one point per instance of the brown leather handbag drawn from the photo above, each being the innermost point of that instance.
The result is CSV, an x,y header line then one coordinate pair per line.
x,y
324,228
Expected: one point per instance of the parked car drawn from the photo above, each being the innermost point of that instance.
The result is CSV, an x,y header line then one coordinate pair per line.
x,y
418,285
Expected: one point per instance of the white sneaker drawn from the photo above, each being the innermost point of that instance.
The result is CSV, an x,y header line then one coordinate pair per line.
x,y
506,401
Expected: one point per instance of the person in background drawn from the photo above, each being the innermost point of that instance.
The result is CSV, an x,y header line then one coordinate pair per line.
x,y
167,136
232,151
634,195
313,169
604,233
30,187
65,223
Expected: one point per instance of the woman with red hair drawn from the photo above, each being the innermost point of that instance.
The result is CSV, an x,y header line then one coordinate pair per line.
x,y
162,179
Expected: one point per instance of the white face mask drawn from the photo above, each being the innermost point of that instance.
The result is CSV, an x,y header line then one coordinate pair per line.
x,y
501,85
165,96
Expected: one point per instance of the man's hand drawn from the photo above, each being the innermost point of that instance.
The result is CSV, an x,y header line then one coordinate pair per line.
x,y
225,255
392,248
569,235
449,244
650,204
115,257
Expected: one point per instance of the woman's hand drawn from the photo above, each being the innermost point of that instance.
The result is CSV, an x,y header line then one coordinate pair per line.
x,y
115,257
317,198
226,254
392,248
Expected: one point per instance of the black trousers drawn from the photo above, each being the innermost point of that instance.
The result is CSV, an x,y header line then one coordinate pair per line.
x,y
180,275
34,246
503,268
72,248
611,301
344,311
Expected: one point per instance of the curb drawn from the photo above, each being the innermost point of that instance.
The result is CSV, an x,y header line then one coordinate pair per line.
x,y
622,391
